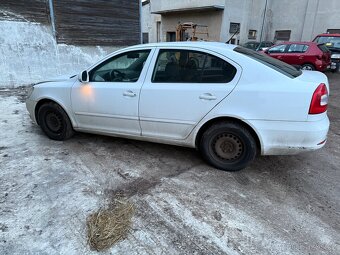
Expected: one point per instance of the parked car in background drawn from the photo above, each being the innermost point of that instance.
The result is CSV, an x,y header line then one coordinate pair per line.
x,y
257,46
229,102
304,55
332,42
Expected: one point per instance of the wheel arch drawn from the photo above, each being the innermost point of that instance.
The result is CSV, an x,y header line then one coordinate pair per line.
x,y
248,126
48,100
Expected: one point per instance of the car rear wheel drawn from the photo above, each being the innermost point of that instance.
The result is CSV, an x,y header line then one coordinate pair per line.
x,y
54,122
308,67
228,146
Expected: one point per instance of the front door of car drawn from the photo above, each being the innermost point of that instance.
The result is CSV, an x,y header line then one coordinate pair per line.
x,y
109,101
181,88
296,54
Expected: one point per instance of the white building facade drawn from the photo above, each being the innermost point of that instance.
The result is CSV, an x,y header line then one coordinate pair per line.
x,y
266,20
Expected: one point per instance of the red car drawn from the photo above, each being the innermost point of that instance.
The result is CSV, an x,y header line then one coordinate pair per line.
x,y
306,55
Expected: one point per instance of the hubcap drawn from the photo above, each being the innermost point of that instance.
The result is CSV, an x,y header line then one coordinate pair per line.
x,y
228,146
54,121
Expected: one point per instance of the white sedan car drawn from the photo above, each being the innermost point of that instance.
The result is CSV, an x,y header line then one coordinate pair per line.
x,y
228,102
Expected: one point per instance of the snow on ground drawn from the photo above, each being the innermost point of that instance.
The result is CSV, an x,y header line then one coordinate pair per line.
x,y
278,205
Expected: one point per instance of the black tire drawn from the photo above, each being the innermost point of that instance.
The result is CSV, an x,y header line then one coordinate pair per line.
x,y
228,146
309,67
54,121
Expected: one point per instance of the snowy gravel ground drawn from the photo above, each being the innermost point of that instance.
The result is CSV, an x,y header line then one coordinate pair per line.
x,y
278,205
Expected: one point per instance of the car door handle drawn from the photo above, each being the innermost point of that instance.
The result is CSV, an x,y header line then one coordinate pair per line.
x,y
207,96
301,57
129,93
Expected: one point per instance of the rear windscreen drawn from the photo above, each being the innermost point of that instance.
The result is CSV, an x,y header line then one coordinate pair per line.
x,y
273,63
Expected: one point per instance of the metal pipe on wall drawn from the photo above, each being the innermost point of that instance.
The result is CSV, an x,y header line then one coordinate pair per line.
x,y
50,4
264,18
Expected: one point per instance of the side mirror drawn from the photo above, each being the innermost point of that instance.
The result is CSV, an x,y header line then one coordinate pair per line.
x,y
84,76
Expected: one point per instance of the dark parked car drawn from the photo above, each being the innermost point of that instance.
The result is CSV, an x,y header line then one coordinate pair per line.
x,y
305,55
257,46
332,42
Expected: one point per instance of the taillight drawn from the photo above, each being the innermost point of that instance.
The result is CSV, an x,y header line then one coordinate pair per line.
x,y
319,101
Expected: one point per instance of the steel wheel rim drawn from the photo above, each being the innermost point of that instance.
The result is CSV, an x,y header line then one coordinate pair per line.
x,y
309,68
227,147
54,122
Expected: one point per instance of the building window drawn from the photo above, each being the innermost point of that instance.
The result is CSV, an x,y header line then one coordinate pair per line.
x,y
145,37
234,28
333,31
252,34
282,35
171,36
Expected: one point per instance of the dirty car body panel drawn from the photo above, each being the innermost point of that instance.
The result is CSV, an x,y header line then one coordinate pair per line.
x,y
145,103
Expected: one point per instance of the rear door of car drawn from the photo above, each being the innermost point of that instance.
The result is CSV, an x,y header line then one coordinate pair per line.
x,y
181,87
297,54
278,51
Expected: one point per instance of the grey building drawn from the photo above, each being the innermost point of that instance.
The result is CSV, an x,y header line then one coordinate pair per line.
x,y
273,20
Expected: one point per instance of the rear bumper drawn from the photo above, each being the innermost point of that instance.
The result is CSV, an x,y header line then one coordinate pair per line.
x,y
287,138
321,65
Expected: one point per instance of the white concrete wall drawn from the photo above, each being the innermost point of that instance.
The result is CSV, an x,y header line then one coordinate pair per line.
x,y
161,5
321,15
29,53
289,15
305,18
149,22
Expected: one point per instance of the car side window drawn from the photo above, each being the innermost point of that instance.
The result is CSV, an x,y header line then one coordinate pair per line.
x,y
125,67
278,49
186,66
297,48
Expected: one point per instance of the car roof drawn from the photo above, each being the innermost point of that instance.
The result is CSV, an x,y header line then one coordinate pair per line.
x,y
204,45
329,35
308,43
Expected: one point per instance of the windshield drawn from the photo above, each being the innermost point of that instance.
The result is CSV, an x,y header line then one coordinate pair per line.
x,y
273,63
329,41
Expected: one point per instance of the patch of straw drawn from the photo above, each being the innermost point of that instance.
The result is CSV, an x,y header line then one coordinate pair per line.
x,y
109,226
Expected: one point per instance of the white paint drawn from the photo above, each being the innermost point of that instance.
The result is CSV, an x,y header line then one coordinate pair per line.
x,y
168,113
29,53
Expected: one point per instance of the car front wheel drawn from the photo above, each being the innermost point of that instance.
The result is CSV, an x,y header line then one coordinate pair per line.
x,y
54,121
228,146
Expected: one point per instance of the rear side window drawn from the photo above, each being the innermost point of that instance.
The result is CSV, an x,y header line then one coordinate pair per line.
x,y
273,63
298,48
186,66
